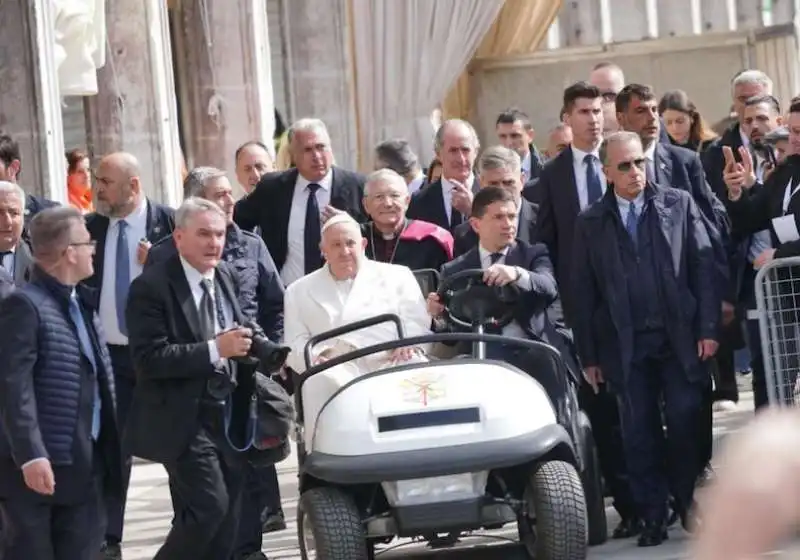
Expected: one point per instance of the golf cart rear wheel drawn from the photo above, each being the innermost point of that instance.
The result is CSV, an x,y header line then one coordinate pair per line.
x,y
555,498
329,527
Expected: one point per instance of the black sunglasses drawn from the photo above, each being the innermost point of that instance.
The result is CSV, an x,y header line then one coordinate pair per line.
x,y
625,166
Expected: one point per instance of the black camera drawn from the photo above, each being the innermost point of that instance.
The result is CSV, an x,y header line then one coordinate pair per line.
x,y
268,355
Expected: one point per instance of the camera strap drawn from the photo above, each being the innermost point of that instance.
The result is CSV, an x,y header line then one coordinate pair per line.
x,y
252,419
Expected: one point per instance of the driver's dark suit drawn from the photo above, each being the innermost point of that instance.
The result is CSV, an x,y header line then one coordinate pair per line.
x,y
539,290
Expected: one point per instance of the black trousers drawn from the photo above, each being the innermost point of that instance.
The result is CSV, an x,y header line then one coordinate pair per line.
x,y
658,463
38,530
206,482
261,498
124,382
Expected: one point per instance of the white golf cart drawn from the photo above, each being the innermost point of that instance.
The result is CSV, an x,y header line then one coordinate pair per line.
x,y
437,450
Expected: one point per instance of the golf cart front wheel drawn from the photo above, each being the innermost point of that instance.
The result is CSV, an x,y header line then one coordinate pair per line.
x,y
329,527
557,519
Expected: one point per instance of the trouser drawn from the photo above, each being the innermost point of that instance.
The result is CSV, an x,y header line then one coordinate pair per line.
x,y
124,384
603,415
658,463
206,482
41,530
261,497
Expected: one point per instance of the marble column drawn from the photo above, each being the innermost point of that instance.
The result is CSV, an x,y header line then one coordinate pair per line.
x,y
30,105
135,109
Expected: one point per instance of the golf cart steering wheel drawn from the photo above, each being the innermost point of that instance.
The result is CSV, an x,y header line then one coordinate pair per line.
x,y
469,302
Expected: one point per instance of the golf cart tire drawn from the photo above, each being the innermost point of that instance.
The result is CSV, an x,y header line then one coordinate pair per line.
x,y
594,492
560,512
335,524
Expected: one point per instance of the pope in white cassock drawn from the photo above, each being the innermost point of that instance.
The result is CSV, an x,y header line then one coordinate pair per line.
x,y
349,288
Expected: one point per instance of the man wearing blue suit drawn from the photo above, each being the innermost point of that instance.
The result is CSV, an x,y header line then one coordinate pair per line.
x,y
646,319
672,166
125,225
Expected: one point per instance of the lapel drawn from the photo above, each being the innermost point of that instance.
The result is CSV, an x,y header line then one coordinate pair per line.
x,y
472,258
567,171
22,263
183,294
663,165
282,199
665,207
526,218
341,197
438,212
607,228
226,285
154,228
514,256
364,284
99,235
323,291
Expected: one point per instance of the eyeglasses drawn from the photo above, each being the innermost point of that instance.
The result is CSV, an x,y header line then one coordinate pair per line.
x,y
609,96
91,243
625,166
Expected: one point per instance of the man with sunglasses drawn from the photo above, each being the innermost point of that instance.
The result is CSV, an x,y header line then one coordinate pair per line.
x,y
645,320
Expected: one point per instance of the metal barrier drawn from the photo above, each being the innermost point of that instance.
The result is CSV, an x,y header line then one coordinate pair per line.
x,y
777,287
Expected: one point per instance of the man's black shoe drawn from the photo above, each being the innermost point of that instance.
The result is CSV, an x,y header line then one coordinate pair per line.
x,y
653,534
274,522
627,528
112,551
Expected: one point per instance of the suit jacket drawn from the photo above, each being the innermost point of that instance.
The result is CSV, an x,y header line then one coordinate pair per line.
x,y
260,289
269,205
683,256
537,162
531,312
34,205
428,204
160,223
171,359
466,238
23,263
313,307
7,284
556,194
682,169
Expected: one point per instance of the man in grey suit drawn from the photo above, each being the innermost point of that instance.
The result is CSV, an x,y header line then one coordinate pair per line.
x,y
15,255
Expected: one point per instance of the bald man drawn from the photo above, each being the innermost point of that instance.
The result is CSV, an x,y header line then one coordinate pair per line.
x,y
124,227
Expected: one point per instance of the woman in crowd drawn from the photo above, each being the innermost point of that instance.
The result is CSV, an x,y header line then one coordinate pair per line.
x,y
79,181
685,126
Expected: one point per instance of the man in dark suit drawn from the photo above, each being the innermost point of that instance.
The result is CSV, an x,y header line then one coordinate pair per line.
x,y
125,225
500,167
447,201
646,317
571,182
182,316
260,295
10,170
515,131
289,207
15,254
60,448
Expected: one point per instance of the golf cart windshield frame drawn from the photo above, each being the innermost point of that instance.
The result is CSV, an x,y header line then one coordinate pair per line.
x,y
399,343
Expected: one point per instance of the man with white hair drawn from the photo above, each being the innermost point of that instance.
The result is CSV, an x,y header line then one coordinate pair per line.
x,y
393,238
349,288
447,202
289,207
15,255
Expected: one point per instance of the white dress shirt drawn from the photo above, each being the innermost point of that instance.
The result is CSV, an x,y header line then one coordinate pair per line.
x,y
524,283
136,231
579,169
195,280
447,193
650,156
416,183
295,265
8,261
526,166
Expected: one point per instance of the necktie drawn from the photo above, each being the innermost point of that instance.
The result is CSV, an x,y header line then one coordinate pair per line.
x,y
207,310
594,187
632,222
88,350
494,257
122,278
455,218
312,232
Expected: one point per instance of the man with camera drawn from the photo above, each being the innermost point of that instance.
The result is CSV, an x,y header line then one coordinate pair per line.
x,y
187,339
